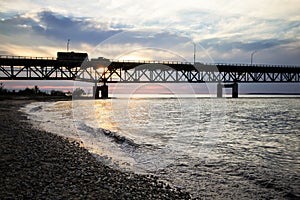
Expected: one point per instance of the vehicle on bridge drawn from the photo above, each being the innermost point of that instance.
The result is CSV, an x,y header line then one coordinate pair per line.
x,y
72,56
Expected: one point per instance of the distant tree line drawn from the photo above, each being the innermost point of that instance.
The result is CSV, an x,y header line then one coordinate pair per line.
x,y
35,91
29,91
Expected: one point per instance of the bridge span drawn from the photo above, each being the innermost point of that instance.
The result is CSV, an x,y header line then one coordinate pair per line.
x,y
103,71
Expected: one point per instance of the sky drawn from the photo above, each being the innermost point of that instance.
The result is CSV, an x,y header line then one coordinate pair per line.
x,y
223,31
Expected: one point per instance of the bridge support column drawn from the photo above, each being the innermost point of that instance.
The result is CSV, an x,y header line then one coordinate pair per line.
x,y
219,90
96,90
104,92
235,90
234,87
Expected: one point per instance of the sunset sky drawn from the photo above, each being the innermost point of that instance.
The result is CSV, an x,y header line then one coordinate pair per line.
x,y
227,31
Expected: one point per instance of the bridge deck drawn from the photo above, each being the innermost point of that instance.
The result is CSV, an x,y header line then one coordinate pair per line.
x,y
50,68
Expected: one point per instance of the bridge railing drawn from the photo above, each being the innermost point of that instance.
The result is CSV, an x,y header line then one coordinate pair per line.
x,y
159,62
255,65
151,62
209,64
27,57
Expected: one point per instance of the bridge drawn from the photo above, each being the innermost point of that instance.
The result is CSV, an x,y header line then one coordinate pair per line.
x,y
102,71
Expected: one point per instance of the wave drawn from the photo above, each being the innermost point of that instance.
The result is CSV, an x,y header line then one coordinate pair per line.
x,y
35,109
117,138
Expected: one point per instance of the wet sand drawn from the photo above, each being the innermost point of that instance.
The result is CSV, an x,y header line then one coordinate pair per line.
x,y
40,165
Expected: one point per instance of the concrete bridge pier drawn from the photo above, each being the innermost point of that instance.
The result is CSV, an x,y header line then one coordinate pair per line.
x,y
235,90
234,86
220,87
103,89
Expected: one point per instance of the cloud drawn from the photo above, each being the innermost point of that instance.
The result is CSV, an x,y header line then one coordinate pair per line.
x,y
228,45
226,30
79,30
58,27
50,30
148,44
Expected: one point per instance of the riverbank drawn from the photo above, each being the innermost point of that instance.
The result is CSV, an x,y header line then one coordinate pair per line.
x,y
36,164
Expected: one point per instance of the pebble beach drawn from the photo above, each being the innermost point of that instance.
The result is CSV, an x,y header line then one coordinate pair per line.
x,y
39,165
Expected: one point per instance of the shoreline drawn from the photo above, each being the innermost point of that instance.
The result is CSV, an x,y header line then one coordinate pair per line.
x,y
37,164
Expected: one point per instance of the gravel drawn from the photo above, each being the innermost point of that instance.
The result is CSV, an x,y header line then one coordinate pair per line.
x,y
40,165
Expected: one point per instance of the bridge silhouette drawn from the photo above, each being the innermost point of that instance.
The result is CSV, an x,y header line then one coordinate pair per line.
x,y
77,67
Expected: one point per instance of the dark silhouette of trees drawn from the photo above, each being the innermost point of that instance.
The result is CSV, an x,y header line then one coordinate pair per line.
x,y
32,91
2,89
57,93
35,91
78,92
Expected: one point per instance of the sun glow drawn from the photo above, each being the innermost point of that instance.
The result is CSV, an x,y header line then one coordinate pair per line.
x,y
131,57
101,69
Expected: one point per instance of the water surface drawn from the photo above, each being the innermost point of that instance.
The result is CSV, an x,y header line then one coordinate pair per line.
x,y
246,148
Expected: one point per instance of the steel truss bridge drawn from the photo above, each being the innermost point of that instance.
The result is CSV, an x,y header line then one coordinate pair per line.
x,y
105,71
